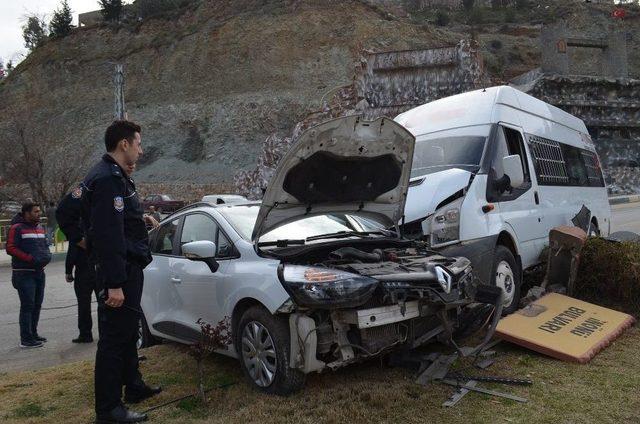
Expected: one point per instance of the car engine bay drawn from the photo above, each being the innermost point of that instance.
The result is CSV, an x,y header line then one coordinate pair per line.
x,y
352,303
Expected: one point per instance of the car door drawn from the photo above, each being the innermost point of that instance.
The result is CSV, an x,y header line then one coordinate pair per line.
x,y
196,285
519,208
160,299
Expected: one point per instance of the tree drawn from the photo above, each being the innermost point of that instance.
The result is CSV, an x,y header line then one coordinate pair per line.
x,y
468,4
31,155
9,66
60,24
111,10
2,71
34,31
211,339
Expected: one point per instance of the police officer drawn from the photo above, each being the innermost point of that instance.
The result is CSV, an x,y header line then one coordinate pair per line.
x,y
84,281
116,236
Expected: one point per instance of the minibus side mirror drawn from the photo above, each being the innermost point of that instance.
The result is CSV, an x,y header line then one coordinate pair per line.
x,y
202,250
512,166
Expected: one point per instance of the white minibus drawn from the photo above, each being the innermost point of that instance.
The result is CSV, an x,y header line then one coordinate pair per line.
x,y
493,171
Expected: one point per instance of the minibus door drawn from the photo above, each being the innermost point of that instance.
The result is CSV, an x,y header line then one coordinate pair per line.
x,y
519,206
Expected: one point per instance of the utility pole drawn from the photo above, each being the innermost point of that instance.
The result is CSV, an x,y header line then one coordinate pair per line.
x,y
118,82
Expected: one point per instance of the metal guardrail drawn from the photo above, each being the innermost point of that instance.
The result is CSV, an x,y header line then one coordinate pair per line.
x,y
5,225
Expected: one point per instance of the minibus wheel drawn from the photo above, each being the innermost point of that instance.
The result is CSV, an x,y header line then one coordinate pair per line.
x,y
506,275
594,231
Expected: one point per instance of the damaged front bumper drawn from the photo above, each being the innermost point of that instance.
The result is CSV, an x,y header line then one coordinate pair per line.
x,y
345,336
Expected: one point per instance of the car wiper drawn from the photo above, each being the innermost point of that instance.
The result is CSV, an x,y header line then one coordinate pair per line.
x,y
345,234
281,243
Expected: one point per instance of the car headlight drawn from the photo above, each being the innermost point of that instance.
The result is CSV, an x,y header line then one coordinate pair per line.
x,y
317,287
444,225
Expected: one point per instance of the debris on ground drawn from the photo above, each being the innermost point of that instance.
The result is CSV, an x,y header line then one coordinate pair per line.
x,y
436,368
472,385
564,328
565,245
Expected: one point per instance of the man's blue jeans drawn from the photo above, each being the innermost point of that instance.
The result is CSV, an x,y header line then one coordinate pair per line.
x,y
30,286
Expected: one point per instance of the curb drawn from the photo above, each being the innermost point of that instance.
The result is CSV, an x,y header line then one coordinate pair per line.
x,y
633,198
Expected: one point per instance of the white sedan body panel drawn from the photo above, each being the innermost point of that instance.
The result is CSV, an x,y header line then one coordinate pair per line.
x,y
179,291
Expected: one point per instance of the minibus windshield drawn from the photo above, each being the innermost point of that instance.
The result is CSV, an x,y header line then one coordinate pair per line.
x,y
456,148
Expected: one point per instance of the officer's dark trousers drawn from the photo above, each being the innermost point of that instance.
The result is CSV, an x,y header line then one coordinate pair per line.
x,y
117,356
84,283
30,286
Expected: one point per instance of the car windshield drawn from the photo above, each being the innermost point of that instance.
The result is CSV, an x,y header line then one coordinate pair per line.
x,y
243,219
165,198
457,148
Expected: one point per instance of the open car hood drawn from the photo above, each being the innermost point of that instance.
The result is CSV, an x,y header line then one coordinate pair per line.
x,y
345,165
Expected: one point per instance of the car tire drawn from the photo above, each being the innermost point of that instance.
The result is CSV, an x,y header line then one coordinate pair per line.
x,y
262,341
594,231
506,274
145,338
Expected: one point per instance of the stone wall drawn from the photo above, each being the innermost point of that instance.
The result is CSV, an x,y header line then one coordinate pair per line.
x,y
428,4
385,84
393,82
565,53
610,108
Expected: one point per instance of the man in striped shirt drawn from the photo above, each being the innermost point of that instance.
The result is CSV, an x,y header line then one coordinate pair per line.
x,y
27,244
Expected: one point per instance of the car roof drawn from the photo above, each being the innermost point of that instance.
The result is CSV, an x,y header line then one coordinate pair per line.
x,y
206,205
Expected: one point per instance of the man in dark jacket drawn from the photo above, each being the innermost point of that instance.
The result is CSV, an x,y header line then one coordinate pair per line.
x,y
112,217
84,281
29,250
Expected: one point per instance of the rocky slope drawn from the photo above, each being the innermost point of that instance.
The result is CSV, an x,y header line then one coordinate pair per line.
x,y
210,85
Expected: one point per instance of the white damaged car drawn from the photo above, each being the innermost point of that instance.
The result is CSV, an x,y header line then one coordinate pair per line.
x,y
312,278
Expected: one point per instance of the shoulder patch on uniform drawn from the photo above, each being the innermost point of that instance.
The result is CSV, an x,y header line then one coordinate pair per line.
x,y
115,170
77,192
118,203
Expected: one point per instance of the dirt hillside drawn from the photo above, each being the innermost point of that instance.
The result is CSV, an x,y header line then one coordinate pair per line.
x,y
210,84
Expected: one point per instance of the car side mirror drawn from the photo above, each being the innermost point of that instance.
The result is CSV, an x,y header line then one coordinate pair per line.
x,y
512,166
203,251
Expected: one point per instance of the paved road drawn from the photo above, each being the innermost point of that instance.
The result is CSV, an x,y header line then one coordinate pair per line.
x,y
60,325
57,325
626,217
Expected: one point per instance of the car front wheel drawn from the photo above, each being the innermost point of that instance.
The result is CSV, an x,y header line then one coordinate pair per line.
x,y
262,341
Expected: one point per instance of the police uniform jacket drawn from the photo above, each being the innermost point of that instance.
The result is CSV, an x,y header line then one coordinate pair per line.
x,y
113,222
68,215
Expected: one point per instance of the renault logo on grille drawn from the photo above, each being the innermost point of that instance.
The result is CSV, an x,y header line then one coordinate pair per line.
x,y
444,279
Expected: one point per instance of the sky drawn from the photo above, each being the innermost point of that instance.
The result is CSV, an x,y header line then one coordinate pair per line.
x,y
12,17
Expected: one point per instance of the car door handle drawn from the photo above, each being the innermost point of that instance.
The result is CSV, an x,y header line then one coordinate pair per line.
x,y
176,280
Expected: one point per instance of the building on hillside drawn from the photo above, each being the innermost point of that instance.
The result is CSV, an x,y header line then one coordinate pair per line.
x,y
95,17
589,78
89,18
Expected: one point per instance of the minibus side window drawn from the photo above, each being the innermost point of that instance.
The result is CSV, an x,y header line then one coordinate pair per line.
x,y
560,164
507,142
576,169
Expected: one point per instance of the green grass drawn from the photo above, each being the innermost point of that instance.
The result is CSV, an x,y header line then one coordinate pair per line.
x,y
29,410
602,391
